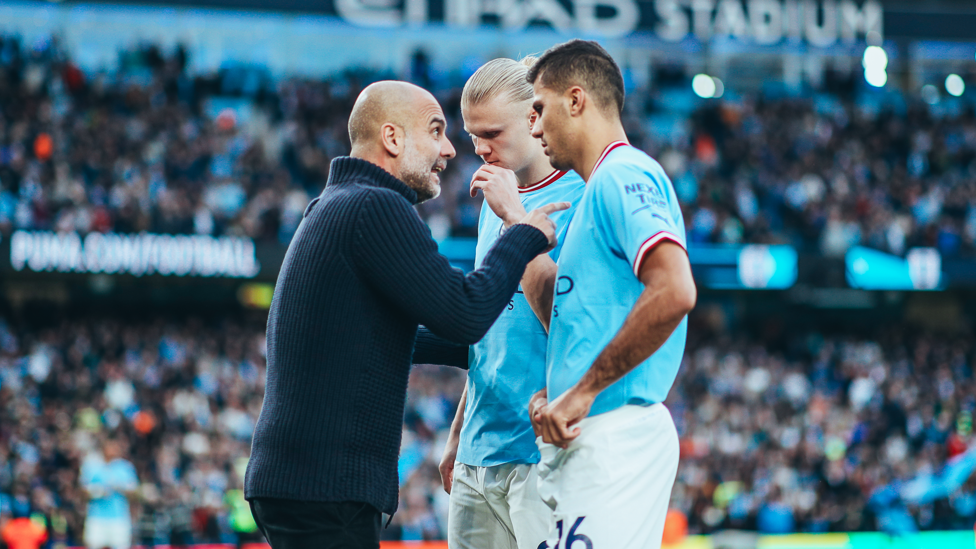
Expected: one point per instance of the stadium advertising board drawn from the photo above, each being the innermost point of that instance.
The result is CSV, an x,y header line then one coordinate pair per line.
x,y
920,269
134,254
765,22
752,267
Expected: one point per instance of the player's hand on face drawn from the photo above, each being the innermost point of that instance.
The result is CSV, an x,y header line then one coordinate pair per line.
x,y
559,417
446,466
501,192
536,404
539,218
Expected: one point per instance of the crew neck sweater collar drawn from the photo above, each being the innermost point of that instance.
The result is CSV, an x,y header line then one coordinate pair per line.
x,y
345,170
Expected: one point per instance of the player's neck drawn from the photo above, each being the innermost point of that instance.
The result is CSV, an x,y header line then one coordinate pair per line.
x,y
539,169
593,146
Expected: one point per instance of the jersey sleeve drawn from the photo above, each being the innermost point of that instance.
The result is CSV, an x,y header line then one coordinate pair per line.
x,y
640,210
129,478
87,477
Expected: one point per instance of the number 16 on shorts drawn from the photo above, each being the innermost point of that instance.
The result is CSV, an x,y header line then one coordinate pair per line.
x,y
572,540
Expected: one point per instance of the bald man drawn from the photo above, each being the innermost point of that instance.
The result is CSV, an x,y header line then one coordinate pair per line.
x,y
360,275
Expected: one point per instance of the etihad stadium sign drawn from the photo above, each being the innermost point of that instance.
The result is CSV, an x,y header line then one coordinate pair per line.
x,y
818,22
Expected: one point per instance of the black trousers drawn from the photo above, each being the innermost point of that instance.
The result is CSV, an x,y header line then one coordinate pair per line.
x,y
290,524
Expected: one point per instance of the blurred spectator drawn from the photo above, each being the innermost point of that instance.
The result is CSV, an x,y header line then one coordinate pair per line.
x,y
110,481
241,519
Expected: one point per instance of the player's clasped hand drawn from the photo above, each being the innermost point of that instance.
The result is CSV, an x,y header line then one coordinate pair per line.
x,y
539,218
536,404
557,419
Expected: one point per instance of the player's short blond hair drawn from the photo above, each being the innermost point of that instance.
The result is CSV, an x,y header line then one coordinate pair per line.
x,y
497,77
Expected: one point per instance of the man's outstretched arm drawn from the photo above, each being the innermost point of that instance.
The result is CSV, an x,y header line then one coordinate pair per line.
x,y
397,256
669,295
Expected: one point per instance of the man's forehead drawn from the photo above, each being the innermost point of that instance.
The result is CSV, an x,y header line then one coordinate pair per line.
x,y
540,92
433,114
423,108
481,118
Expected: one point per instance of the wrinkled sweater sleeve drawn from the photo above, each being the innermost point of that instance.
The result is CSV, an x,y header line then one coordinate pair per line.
x,y
432,349
399,258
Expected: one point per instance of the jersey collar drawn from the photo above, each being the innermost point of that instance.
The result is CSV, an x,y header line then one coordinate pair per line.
x,y
555,175
606,151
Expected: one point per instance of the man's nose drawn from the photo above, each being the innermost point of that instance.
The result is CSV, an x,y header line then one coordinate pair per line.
x,y
447,149
481,148
536,129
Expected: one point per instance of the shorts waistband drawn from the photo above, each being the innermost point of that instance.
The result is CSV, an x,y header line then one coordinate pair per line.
x,y
624,414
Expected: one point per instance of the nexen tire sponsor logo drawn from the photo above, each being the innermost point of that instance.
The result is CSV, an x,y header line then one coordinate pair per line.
x,y
135,254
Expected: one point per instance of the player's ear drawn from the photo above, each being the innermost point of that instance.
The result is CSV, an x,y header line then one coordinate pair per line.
x,y
393,138
576,99
533,116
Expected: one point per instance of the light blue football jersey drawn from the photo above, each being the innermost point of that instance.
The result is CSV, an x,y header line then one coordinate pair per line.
x,y
113,479
628,207
508,365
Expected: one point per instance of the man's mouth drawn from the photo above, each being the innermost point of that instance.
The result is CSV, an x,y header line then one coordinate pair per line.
x,y
437,169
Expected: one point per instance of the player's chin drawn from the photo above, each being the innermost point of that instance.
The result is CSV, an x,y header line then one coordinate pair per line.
x,y
557,162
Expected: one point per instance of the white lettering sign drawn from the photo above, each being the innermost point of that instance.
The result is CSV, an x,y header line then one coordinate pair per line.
x,y
820,22
623,18
135,254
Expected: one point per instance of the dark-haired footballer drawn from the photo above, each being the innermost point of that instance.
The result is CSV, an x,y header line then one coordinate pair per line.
x,y
622,292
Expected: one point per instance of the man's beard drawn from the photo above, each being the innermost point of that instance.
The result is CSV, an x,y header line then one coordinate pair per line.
x,y
417,175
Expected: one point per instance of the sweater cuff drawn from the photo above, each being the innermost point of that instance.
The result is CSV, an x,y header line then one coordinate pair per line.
x,y
526,238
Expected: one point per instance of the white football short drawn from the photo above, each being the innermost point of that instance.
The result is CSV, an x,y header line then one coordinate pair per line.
x,y
106,532
497,507
611,487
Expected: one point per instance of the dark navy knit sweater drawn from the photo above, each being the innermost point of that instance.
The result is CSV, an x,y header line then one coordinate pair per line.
x,y
360,275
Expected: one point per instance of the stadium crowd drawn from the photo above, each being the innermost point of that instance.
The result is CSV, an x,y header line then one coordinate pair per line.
x,y
795,436
146,146
809,437
797,439
180,398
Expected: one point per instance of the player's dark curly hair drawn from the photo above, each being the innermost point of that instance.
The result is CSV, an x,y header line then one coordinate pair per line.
x,y
581,63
